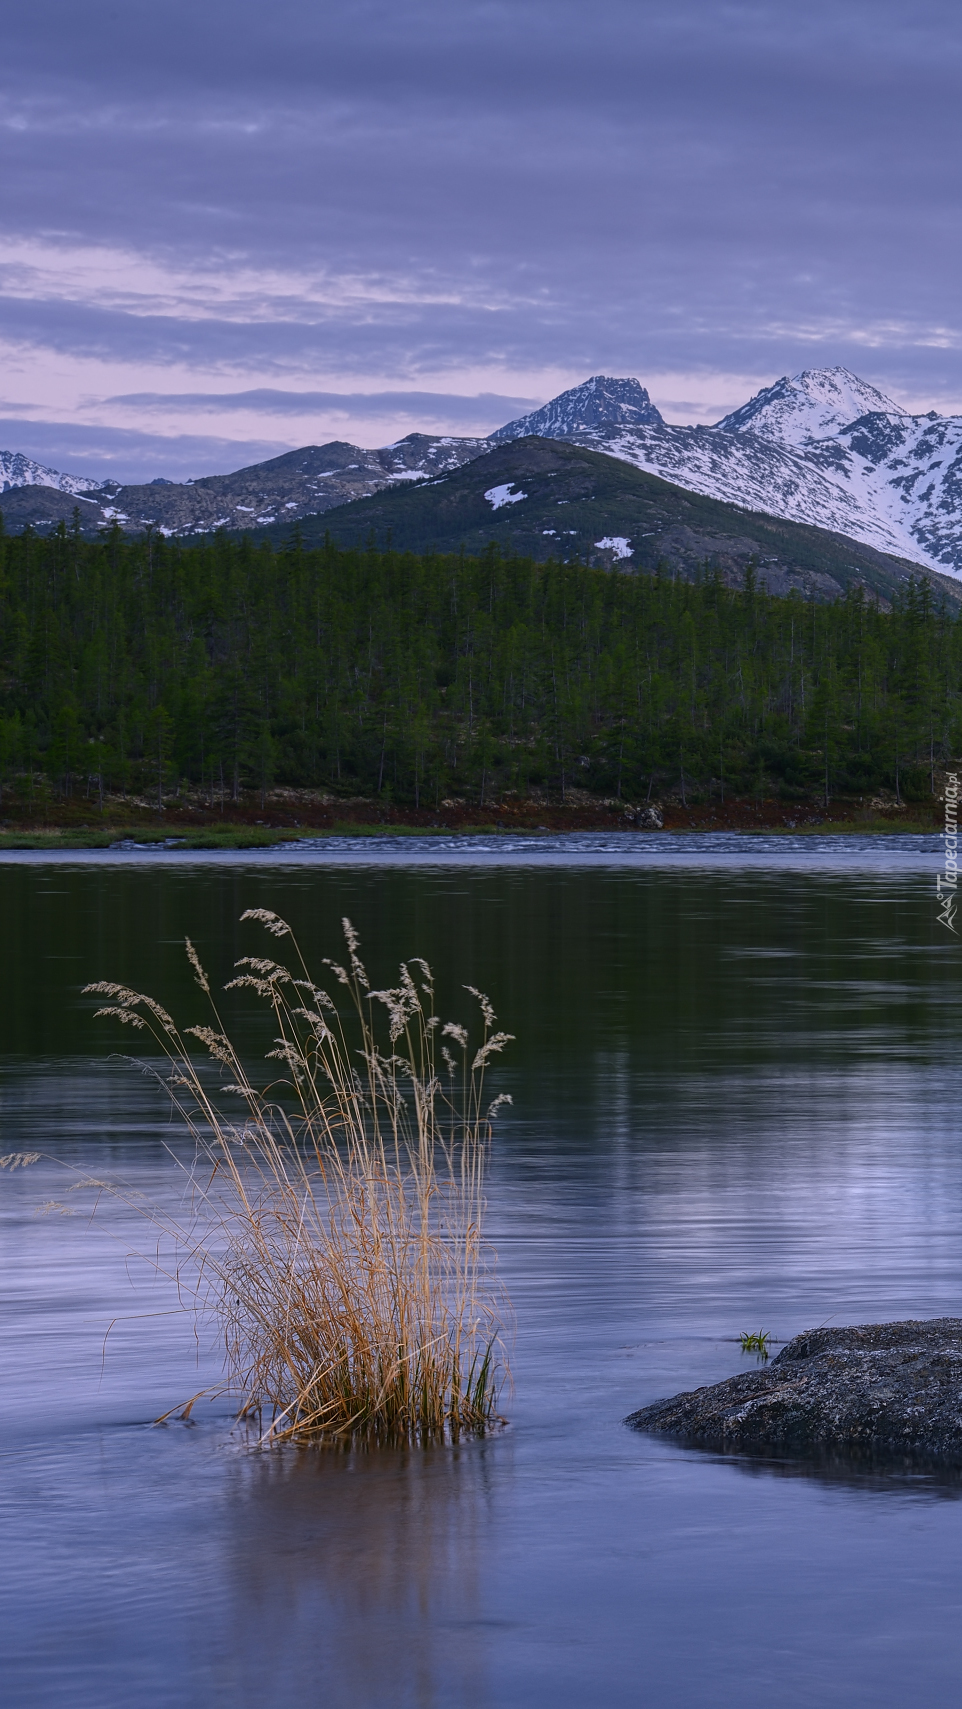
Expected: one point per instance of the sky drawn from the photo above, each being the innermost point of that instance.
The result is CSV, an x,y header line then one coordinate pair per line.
x,y
228,228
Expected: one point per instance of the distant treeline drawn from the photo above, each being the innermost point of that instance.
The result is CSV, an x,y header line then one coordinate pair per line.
x,y
135,664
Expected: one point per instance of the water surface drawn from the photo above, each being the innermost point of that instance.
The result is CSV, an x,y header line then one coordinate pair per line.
x,y
736,1090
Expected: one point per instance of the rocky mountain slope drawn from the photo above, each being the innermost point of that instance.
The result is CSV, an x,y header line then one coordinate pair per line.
x,y
299,483
552,499
822,448
599,402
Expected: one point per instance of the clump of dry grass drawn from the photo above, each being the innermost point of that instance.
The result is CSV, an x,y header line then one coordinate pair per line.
x,y
336,1234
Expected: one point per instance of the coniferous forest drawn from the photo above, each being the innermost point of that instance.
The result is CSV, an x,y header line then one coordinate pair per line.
x,y
229,665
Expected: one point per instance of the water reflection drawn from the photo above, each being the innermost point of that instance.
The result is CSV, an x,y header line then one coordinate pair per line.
x,y
736,1107
360,1574
885,1474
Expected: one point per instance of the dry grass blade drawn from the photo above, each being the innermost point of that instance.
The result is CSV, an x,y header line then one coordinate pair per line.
x,y
337,1225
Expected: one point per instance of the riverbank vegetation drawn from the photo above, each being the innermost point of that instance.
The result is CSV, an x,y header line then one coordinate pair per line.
x,y
335,1232
146,666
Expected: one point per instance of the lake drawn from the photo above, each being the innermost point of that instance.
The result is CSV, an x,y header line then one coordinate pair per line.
x,y
736,1090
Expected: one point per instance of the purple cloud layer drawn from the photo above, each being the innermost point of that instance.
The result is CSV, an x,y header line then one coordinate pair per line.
x,y
490,188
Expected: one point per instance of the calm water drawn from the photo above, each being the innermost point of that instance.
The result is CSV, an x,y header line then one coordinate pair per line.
x,y
736,1088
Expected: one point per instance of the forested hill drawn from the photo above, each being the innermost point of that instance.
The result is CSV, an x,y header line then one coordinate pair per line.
x,y
547,499
143,662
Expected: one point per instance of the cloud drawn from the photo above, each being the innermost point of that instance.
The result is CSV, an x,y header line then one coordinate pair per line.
x,y
133,454
367,202
130,455
418,405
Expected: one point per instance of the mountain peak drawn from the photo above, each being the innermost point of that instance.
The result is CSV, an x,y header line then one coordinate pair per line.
x,y
16,470
601,401
815,404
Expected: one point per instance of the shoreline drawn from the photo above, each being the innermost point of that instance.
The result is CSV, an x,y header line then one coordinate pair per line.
x,y
191,826
137,839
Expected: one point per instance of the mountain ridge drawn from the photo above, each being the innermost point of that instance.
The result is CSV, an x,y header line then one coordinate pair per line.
x,y
882,476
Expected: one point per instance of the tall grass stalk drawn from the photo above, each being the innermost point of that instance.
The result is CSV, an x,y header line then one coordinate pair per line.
x,y
335,1230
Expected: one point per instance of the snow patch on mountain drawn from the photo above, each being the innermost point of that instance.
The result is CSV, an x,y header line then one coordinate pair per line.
x,y
617,544
498,497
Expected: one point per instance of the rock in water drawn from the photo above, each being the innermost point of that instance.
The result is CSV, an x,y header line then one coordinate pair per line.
x,y
886,1387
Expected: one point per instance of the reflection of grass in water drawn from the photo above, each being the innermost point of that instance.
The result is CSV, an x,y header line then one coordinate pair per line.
x,y
337,1237
388,1542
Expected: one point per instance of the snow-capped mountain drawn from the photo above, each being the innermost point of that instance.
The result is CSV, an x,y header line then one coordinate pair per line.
x,y
904,472
815,404
598,402
16,470
822,447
